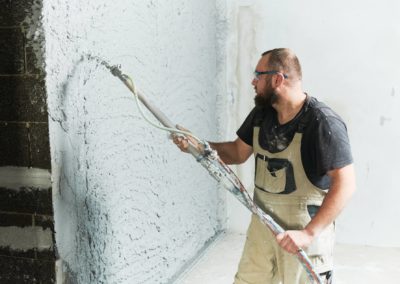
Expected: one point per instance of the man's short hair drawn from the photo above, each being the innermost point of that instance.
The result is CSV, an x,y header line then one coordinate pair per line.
x,y
284,60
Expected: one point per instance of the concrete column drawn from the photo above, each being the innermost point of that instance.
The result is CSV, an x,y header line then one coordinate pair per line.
x,y
27,253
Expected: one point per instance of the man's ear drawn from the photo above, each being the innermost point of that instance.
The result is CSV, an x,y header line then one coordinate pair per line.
x,y
278,80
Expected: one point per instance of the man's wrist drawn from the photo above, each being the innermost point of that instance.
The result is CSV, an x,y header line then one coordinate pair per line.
x,y
311,231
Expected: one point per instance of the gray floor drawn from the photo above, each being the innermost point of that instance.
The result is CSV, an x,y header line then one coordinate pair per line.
x,y
353,264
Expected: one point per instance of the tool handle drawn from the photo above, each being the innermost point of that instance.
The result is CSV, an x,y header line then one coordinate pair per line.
x,y
161,117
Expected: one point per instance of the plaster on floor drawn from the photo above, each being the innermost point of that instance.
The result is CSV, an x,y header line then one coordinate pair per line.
x,y
353,264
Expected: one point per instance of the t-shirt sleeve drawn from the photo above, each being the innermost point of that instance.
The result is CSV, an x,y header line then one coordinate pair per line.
x,y
245,132
332,146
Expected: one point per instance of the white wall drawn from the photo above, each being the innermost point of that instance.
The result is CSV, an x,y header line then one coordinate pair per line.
x,y
350,56
129,208
241,55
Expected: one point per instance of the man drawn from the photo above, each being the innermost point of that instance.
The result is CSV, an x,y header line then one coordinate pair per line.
x,y
303,176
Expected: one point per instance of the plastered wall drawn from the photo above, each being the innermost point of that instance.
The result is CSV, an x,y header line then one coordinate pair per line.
x,y
349,53
128,207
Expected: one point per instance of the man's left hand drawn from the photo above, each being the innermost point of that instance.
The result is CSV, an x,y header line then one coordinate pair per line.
x,y
292,241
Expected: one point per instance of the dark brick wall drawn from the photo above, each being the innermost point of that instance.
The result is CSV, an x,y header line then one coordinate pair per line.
x,y
24,143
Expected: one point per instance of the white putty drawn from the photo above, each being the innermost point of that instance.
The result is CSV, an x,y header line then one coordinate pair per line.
x,y
18,177
26,238
129,207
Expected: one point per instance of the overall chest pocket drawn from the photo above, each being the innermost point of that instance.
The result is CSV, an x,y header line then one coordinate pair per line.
x,y
274,175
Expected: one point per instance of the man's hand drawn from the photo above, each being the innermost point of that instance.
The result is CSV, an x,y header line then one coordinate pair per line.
x,y
342,187
292,241
183,141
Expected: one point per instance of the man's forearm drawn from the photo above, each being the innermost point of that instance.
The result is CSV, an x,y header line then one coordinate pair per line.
x,y
226,151
342,188
234,152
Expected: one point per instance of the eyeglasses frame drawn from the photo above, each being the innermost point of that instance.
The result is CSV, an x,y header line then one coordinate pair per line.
x,y
272,72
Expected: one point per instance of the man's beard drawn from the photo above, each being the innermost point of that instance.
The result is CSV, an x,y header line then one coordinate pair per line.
x,y
265,100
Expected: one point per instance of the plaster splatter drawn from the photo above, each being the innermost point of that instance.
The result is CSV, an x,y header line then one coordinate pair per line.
x,y
33,28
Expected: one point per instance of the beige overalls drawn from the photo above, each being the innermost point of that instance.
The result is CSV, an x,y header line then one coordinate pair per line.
x,y
283,191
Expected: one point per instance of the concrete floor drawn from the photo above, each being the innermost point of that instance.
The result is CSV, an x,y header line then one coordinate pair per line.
x,y
353,264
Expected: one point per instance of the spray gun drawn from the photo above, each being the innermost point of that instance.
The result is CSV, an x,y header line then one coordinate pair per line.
x,y
210,160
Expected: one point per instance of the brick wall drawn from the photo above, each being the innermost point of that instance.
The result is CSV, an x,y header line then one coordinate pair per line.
x,y
27,253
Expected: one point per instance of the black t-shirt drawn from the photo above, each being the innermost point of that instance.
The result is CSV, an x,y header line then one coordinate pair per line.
x,y
324,145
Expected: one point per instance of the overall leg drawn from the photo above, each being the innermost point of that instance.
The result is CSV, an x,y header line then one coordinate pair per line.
x,y
258,263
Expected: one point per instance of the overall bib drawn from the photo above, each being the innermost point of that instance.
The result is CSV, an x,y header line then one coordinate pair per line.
x,y
283,191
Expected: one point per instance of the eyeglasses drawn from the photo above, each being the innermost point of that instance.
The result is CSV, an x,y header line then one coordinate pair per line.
x,y
258,73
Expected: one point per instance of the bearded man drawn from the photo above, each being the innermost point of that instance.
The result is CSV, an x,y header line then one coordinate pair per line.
x,y
304,173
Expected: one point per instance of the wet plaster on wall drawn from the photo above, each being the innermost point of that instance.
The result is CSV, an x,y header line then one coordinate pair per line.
x,y
129,208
